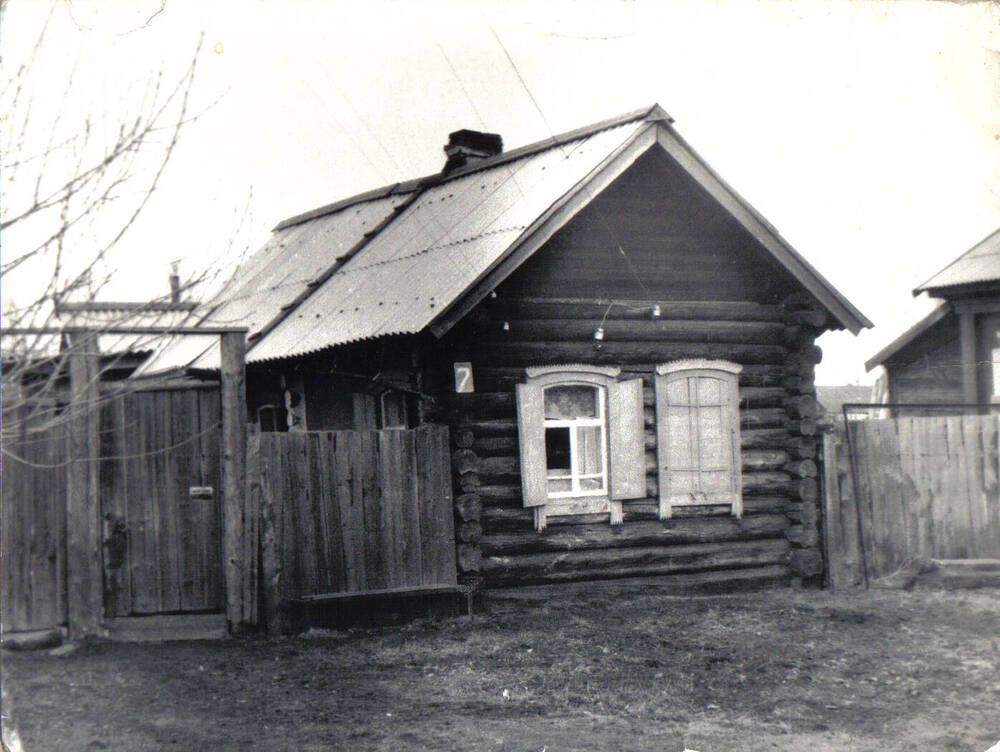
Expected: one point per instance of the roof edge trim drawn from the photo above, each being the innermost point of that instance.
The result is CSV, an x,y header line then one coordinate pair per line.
x,y
908,336
764,232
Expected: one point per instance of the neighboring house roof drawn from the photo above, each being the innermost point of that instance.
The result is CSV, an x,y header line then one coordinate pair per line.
x,y
910,335
419,255
979,264
832,398
99,316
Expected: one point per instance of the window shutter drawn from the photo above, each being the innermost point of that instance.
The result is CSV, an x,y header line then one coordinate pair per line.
x,y
625,440
697,438
531,439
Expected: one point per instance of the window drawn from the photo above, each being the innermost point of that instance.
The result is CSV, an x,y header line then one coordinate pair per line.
x,y
697,435
581,441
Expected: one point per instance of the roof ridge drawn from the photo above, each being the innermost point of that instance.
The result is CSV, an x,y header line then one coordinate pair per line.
x,y
650,113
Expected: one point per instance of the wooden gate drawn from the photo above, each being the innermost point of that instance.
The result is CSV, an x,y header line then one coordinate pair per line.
x,y
160,502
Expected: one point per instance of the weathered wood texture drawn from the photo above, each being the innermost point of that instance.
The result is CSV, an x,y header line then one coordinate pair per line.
x,y
351,511
777,414
927,487
160,502
35,474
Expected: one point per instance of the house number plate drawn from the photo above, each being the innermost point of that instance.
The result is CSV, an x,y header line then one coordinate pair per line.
x,y
200,492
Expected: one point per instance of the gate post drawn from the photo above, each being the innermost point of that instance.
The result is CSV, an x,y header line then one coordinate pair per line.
x,y
84,559
239,563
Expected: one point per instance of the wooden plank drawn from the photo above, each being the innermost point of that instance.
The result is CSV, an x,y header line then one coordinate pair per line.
x,y
165,462
85,586
412,560
114,509
330,514
366,488
266,475
437,535
393,538
210,446
307,547
234,447
347,461
16,484
967,342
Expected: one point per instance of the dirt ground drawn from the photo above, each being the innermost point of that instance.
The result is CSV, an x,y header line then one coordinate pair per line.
x,y
620,667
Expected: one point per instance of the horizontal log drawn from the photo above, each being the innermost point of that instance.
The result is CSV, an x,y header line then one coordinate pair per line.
x,y
503,466
468,557
762,396
468,532
803,406
464,461
493,493
766,482
765,438
806,490
805,562
804,512
802,468
539,308
469,482
469,507
488,446
486,405
665,533
803,535
768,417
803,427
494,428
616,353
499,518
463,438
813,317
764,459
566,566
634,330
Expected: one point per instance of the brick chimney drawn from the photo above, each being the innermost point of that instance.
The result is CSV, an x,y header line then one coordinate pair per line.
x,y
466,147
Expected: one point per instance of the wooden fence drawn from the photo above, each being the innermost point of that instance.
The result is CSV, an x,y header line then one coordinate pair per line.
x,y
35,472
920,488
351,511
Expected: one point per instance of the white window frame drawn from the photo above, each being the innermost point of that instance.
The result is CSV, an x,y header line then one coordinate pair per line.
x,y
728,373
600,421
620,479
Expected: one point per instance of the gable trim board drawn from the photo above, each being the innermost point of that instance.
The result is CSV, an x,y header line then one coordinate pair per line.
x,y
453,297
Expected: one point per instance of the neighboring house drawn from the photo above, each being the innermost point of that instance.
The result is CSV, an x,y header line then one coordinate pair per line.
x,y
622,348
833,398
953,354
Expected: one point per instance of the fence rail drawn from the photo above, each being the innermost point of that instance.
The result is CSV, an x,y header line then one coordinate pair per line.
x,y
919,488
351,511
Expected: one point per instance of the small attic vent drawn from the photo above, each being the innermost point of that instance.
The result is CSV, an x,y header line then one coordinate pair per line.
x,y
465,147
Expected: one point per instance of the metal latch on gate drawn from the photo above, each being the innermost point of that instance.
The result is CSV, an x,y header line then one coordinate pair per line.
x,y
200,492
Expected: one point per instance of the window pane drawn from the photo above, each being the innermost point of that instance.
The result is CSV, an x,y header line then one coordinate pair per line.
x,y
563,402
561,485
589,458
557,450
591,484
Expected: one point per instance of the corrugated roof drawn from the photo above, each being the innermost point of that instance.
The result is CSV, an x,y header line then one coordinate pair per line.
x,y
436,248
981,263
393,260
276,276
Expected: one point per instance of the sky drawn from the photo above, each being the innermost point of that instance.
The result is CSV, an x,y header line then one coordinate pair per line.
x,y
868,133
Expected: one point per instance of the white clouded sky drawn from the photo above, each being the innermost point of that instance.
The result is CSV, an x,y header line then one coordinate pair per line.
x,y
867,132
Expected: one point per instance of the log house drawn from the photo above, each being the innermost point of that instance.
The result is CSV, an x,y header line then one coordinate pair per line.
x,y
622,348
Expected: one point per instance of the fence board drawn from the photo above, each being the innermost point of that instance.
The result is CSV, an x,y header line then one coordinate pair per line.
x,y
34,469
926,486
352,511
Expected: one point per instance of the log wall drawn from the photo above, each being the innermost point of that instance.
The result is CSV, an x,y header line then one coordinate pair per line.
x,y
774,343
